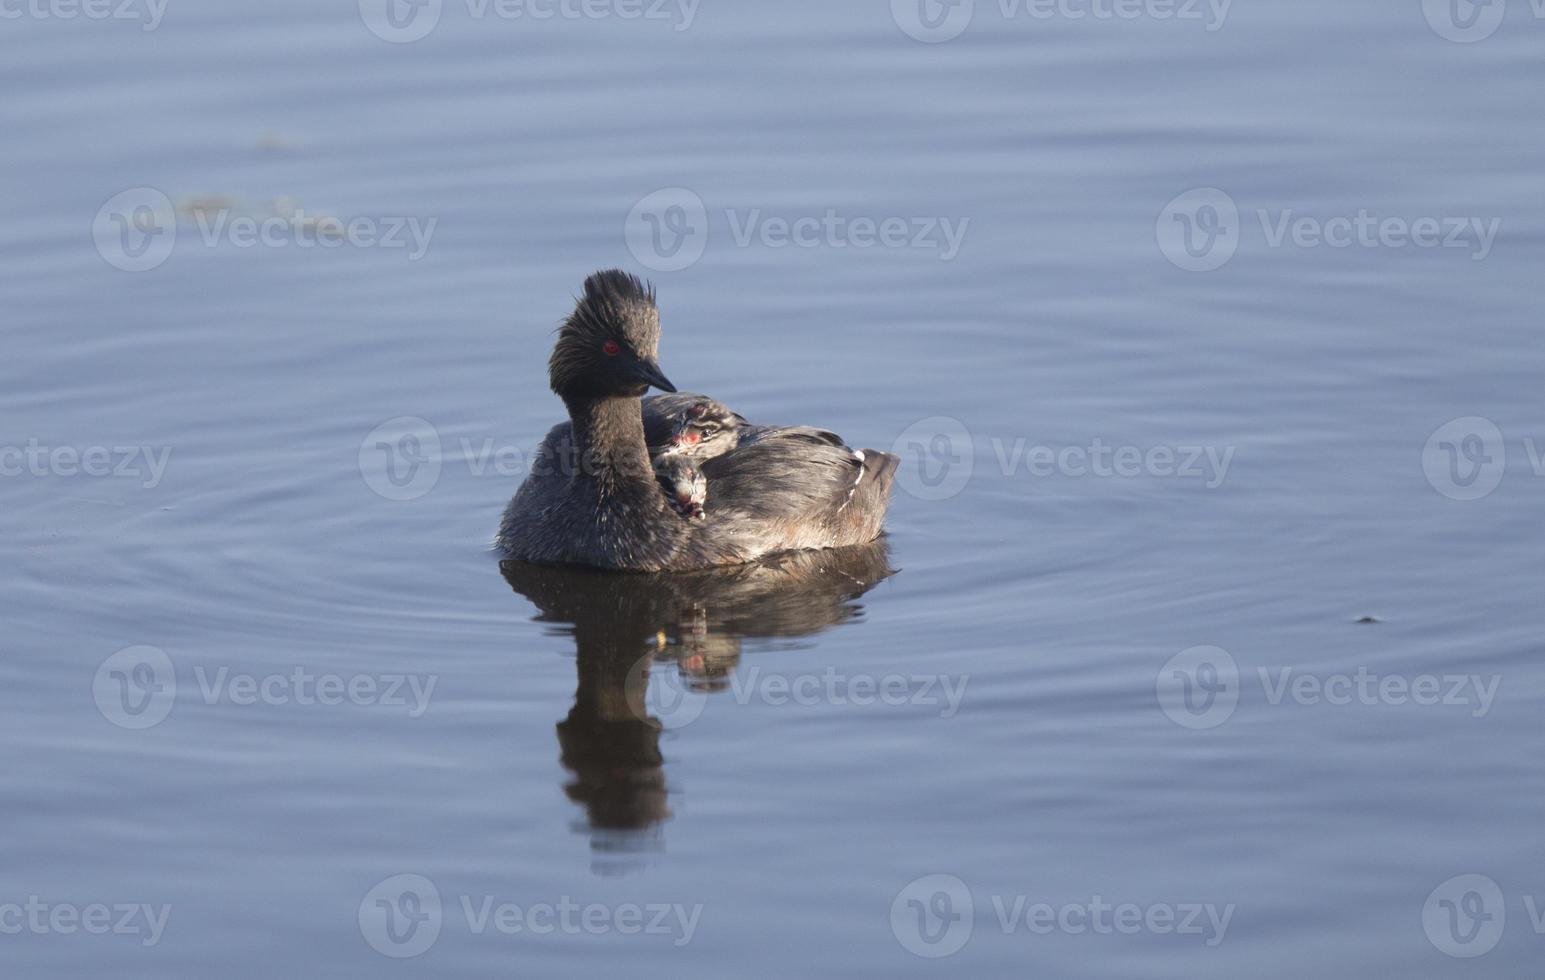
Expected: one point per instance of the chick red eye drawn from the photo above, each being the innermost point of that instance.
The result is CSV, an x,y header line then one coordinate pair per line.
x,y
611,348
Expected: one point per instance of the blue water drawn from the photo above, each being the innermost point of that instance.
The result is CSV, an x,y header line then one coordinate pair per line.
x,y
1315,435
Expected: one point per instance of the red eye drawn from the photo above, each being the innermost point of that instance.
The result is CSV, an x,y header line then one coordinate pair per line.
x,y
611,348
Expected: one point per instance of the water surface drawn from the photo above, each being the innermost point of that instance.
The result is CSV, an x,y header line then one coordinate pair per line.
x,y
746,774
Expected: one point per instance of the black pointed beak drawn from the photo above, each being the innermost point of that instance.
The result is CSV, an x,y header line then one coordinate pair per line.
x,y
649,372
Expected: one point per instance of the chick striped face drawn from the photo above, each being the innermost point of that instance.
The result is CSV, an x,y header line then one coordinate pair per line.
x,y
705,430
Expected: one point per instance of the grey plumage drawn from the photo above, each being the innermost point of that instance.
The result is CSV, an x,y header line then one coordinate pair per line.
x,y
592,497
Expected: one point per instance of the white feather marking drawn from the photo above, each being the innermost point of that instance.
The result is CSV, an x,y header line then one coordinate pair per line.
x,y
858,454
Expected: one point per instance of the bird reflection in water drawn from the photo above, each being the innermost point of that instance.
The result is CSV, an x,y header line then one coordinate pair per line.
x,y
686,629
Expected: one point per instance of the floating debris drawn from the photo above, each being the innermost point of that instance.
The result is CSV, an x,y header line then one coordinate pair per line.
x,y
197,205
320,225
272,142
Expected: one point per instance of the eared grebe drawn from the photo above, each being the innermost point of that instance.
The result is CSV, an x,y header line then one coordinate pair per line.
x,y
593,497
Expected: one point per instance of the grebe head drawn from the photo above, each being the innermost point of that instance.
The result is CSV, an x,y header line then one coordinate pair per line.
x,y
609,345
